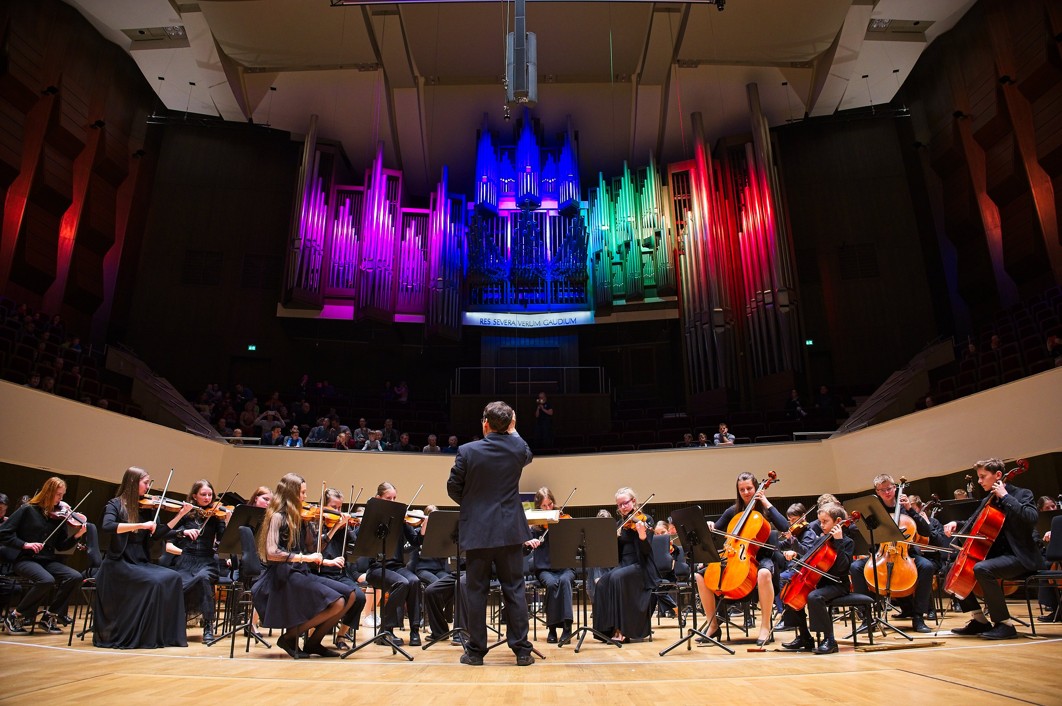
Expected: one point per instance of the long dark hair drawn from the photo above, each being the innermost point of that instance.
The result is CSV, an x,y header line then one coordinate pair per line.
x,y
129,492
739,504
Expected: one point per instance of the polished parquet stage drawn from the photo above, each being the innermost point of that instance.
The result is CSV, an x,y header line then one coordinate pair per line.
x,y
42,669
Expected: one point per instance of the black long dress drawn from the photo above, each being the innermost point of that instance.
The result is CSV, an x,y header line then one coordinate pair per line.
x,y
198,565
288,594
623,596
138,604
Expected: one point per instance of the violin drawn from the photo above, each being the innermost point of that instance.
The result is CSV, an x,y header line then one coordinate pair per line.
x,y
980,533
633,520
414,518
332,517
154,502
63,511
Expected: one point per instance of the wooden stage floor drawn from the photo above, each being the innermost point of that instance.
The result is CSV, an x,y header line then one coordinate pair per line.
x,y
42,669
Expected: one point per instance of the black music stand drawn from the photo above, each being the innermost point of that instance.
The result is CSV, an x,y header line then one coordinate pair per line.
x,y
957,511
442,543
584,543
697,542
380,532
242,516
874,518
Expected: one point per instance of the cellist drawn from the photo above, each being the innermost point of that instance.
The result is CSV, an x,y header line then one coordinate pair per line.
x,y
747,493
1012,554
885,488
830,518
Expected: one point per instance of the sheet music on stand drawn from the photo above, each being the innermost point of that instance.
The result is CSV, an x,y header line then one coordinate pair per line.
x,y
584,543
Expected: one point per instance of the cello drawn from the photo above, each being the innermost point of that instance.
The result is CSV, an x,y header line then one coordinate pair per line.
x,y
735,574
813,566
896,570
980,533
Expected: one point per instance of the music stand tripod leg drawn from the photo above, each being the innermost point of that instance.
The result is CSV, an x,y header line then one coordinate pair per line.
x,y
381,637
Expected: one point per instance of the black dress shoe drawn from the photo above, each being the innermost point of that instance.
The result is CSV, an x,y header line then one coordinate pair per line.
x,y
414,638
208,634
931,615
713,635
566,635
1001,631
472,660
974,627
766,641
1053,617
826,647
802,643
551,636
291,646
919,625
523,660
320,651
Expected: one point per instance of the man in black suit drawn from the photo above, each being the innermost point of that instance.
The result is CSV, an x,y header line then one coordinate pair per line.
x,y
1013,553
485,482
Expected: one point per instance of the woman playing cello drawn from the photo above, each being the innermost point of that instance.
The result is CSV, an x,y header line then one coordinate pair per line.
x,y
830,519
747,493
1011,555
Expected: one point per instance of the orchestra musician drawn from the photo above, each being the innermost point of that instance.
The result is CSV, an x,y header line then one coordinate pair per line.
x,y
401,585
817,609
287,595
428,569
556,582
196,535
485,483
747,493
1048,594
623,598
139,604
885,489
33,534
334,546
1013,553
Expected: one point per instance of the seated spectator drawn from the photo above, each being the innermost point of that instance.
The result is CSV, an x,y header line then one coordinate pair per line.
x,y
319,434
48,384
827,404
373,443
294,440
1054,349
73,344
433,445
702,440
361,434
34,381
267,420
687,441
404,445
304,418
389,434
971,351
995,343
401,392
223,427
723,437
247,418
237,437
275,436
273,403
794,408
343,441
451,445
102,403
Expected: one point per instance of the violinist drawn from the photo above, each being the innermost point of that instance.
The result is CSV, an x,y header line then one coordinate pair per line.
x,y
830,518
428,569
1048,593
401,585
139,604
34,532
334,547
885,488
556,582
196,535
798,537
288,595
748,493
623,598
1013,553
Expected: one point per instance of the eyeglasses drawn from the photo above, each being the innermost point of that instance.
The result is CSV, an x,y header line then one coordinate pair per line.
x,y
885,488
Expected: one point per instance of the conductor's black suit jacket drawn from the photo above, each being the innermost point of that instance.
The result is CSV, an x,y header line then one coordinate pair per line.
x,y
485,482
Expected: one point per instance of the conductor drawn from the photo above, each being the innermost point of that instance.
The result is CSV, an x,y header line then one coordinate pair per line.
x,y
485,482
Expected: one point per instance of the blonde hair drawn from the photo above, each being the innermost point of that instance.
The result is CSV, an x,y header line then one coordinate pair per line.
x,y
47,493
285,501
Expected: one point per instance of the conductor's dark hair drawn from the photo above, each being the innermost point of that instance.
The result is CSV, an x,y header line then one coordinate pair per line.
x,y
498,416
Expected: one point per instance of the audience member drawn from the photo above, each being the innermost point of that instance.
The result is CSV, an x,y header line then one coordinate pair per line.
x,y
433,445
401,392
723,437
543,422
826,403
275,436
451,445
404,445
1054,349
794,408
702,440
687,441
294,440
361,434
373,443
237,437
389,435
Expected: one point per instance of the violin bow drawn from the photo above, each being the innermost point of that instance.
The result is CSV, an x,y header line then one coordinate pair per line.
x,y
414,497
320,520
70,514
346,525
216,504
634,513
162,499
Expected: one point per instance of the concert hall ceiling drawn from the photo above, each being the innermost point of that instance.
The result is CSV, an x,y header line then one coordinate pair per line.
x,y
422,77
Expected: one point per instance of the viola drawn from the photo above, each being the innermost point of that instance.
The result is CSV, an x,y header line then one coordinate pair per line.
x,y
813,566
982,531
734,576
634,520
896,571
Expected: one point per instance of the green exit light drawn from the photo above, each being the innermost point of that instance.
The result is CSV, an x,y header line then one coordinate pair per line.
x,y
809,342
253,347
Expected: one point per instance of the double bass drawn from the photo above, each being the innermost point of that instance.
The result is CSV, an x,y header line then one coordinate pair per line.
x,y
814,565
895,569
735,574
980,533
